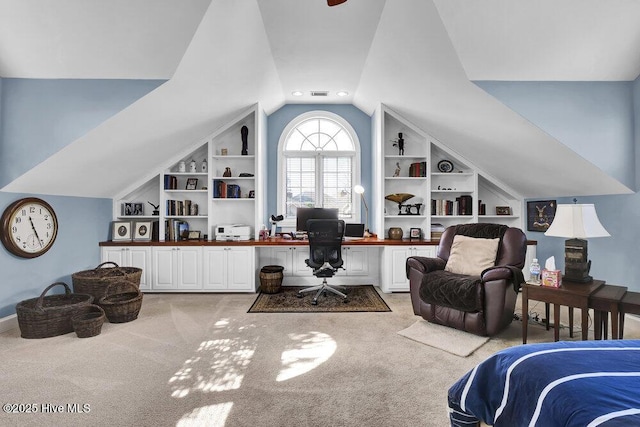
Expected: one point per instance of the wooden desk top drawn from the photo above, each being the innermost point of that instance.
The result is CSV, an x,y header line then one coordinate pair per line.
x,y
280,241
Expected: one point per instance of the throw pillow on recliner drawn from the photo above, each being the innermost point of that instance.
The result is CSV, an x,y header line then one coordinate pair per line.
x,y
471,256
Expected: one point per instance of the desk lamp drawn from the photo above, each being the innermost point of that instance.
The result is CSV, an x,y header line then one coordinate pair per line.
x,y
577,223
359,189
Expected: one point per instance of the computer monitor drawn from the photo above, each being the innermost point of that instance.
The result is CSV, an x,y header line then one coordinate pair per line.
x,y
305,214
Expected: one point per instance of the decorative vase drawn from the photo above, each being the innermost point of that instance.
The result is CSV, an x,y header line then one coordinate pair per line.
x,y
395,233
227,172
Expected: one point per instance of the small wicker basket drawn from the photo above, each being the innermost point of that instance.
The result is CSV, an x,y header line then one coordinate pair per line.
x,y
88,321
48,316
122,307
271,279
95,282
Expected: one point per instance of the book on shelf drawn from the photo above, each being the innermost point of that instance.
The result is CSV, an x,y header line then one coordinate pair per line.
x,y
222,190
175,229
460,206
219,189
418,169
170,182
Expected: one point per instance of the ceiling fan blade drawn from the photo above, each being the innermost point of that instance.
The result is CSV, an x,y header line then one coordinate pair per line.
x,y
335,2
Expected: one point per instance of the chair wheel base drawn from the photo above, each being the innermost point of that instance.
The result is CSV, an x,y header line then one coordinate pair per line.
x,y
314,302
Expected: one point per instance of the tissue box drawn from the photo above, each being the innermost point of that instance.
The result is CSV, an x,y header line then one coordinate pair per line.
x,y
552,278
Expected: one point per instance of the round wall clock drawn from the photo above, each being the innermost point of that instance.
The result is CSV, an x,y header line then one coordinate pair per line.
x,y
445,166
29,227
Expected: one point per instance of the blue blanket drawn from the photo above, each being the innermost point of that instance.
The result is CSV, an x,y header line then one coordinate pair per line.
x,y
585,383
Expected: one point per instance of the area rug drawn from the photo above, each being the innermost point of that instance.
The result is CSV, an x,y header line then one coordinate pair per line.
x,y
360,298
444,338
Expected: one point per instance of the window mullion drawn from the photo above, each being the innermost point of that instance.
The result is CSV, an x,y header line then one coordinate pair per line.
x,y
319,180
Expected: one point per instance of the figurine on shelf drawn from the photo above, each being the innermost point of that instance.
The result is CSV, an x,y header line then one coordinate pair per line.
x,y
204,167
227,172
244,131
182,167
156,210
397,171
400,144
192,166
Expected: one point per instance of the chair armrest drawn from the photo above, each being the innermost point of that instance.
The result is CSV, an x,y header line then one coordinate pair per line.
x,y
504,272
424,265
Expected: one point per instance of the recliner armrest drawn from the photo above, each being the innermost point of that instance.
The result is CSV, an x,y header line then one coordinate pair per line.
x,y
504,272
424,264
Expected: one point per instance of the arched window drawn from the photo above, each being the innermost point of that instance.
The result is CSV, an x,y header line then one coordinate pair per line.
x,y
318,163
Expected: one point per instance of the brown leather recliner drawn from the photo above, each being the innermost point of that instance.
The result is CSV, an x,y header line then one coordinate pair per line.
x,y
482,305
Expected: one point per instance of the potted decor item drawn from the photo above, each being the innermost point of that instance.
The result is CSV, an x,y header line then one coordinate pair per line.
x,y
395,233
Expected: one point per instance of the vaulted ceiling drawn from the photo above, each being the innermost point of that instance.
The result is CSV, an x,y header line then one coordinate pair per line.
x,y
417,56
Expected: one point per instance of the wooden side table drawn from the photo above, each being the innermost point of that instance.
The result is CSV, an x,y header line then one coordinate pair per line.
x,y
630,304
604,301
571,294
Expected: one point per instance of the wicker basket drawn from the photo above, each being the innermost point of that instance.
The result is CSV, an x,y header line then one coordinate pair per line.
x,y
95,282
48,316
87,322
271,279
122,307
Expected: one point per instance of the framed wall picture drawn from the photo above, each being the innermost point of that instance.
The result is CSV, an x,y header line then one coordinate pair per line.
x,y
142,231
540,214
415,233
192,183
120,230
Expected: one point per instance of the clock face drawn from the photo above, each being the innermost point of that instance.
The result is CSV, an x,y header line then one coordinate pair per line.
x,y
29,227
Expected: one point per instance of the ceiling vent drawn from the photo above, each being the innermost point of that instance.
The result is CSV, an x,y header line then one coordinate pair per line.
x,y
319,93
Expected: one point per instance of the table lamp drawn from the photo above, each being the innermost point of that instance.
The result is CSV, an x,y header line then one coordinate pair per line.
x,y
359,189
577,222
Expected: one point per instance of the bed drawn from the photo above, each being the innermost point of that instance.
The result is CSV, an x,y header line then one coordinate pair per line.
x,y
577,383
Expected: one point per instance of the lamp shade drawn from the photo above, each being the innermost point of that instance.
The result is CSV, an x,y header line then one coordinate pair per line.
x,y
576,221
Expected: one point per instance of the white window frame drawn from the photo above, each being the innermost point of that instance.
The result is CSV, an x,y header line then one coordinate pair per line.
x,y
355,165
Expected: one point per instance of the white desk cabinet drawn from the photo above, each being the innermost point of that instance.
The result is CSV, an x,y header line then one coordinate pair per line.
x,y
292,258
229,268
176,268
356,261
131,256
394,276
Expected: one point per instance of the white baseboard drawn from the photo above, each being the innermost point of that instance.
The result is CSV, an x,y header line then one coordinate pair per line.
x,y
8,323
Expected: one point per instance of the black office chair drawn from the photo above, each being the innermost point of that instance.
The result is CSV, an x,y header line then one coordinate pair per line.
x,y
325,255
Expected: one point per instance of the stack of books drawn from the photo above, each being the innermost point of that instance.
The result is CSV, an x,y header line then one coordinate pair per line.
x,y
418,169
175,230
222,190
170,182
460,206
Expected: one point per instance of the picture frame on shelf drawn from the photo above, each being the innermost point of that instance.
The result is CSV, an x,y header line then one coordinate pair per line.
x,y
503,210
121,231
192,184
415,233
138,209
126,209
193,235
540,214
142,231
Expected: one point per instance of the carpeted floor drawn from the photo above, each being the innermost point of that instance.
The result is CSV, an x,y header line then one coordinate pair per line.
x,y
359,298
202,360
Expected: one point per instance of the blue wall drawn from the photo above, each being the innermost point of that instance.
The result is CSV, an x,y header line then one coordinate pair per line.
x,y
594,119
600,121
42,116
37,118
278,120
